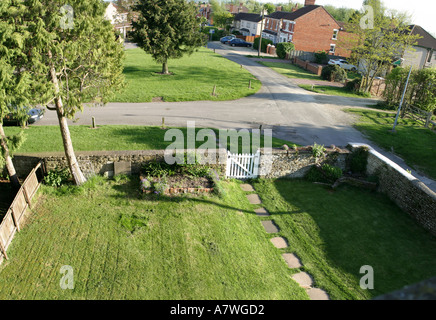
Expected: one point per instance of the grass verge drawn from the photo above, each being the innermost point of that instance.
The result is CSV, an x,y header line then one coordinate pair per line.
x,y
335,233
193,78
107,138
330,90
415,144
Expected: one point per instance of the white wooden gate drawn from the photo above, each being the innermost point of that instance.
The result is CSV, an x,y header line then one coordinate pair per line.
x,y
242,166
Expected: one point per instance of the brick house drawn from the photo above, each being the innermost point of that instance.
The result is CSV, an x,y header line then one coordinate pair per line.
x,y
310,28
119,18
248,24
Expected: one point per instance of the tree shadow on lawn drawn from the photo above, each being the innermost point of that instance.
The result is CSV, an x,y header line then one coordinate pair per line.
x,y
130,190
358,227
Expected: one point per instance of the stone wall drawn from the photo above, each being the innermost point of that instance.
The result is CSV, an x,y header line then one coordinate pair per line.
x,y
409,193
292,163
102,162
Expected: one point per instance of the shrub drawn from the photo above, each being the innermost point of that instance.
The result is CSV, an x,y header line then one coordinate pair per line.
x,y
318,150
358,160
160,186
57,177
145,183
265,43
321,57
283,48
333,73
333,173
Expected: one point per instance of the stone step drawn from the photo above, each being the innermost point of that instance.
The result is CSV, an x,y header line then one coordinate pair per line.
x,y
292,260
270,226
303,279
254,198
279,242
317,294
261,212
247,187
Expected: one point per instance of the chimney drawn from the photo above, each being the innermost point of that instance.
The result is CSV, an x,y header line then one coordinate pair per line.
x,y
295,8
279,8
309,2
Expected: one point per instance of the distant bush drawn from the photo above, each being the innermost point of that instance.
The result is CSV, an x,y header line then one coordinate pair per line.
x,y
265,43
321,57
283,48
333,73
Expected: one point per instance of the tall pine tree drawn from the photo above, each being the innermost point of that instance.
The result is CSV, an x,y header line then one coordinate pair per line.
x,y
167,29
72,56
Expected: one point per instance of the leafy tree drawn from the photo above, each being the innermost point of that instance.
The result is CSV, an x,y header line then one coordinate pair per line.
x,y
223,19
72,57
269,7
377,44
14,84
167,29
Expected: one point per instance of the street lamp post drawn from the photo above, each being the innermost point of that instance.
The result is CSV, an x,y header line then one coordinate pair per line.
x,y
261,30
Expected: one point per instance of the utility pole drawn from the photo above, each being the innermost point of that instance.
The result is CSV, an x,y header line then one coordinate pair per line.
x,y
261,30
402,99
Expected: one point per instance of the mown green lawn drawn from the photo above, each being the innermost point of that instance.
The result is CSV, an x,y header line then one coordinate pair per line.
x,y
194,78
289,70
411,141
330,90
123,245
335,233
105,138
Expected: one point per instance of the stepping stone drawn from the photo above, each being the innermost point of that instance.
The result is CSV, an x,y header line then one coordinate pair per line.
x,y
292,260
254,199
317,294
247,187
270,226
261,212
303,279
279,242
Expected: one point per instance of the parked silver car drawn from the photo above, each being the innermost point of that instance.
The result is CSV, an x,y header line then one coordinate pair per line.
x,y
343,64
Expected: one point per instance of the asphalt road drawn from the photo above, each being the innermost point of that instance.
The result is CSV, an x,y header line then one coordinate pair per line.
x,y
292,113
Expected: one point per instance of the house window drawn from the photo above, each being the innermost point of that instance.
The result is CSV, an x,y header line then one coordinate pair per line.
x,y
332,48
335,34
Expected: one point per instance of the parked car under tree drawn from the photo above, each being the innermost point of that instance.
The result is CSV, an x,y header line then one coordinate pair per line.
x,y
227,38
240,43
343,64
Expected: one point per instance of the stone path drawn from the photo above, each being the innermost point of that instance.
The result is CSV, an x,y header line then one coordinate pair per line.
x,y
304,279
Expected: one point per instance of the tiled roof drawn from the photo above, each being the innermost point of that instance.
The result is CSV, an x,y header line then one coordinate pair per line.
x,y
254,17
427,40
293,15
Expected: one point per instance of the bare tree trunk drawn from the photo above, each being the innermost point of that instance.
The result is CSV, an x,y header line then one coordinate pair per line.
x,y
165,67
13,178
75,170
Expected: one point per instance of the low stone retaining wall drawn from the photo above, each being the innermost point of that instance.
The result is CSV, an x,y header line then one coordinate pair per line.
x,y
294,163
409,193
103,162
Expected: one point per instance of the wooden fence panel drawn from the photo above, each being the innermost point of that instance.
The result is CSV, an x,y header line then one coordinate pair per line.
x,y
7,229
20,204
11,221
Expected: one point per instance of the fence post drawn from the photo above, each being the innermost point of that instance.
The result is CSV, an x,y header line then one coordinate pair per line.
x,y
26,196
427,121
14,217
3,250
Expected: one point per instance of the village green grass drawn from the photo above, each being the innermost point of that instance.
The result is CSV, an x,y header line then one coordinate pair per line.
x,y
111,138
335,233
193,78
125,245
414,143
